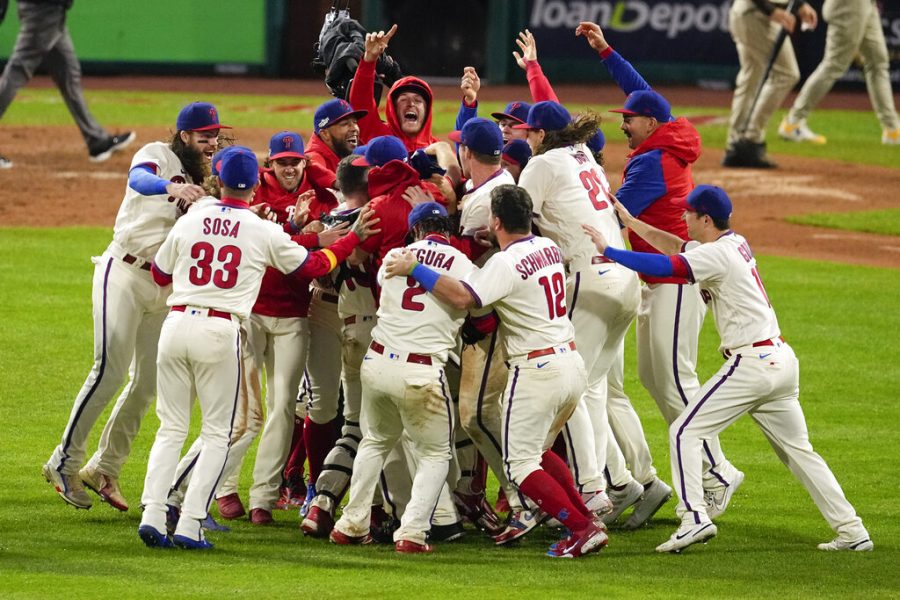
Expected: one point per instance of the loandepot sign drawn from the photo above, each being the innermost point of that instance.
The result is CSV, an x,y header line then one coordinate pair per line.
x,y
670,18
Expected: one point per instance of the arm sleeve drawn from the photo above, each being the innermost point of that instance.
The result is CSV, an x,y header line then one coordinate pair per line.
x,y
644,182
538,83
161,279
144,180
307,240
321,262
625,76
656,265
362,97
466,112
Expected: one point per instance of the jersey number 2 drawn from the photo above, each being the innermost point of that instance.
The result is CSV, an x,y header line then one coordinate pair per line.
x,y
555,292
594,186
411,292
202,273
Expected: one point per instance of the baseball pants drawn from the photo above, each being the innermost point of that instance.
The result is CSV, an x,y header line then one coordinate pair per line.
x,y
128,310
766,385
321,390
754,35
203,353
668,331
401,396
853,26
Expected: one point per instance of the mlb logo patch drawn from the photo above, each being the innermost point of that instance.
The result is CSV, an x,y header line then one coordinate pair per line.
x,y
393,356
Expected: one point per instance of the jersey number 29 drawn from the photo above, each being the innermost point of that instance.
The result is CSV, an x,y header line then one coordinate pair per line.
x,y
202,273
593,183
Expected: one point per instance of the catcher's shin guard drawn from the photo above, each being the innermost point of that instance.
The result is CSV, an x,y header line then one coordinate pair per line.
x,y
338,466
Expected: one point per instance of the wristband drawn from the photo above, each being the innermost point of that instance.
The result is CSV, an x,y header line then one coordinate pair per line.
x,y
425,276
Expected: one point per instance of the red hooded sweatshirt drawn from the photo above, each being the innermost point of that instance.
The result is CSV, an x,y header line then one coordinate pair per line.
x,y
322,163
386,187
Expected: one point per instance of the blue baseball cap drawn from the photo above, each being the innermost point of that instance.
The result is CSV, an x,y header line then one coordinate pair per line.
x,y
647,103
333,111
380,151
480,135
516,151
547,115
517,111
199,116
597,141
217,159
286,144
239,169
425,210
707,200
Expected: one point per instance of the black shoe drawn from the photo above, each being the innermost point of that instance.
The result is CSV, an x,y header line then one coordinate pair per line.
x,y
747,154
104,149
446,533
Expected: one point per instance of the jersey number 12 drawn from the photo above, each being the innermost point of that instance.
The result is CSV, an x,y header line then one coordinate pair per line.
x,y
555,292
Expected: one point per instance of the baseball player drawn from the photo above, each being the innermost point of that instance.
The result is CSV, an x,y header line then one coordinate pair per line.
x,y
658,174
853,27
215,259
514,156
335,135
408,391
760,375
546,373
129,309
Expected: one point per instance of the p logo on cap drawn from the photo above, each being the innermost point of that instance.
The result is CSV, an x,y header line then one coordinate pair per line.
x,y
517,111
199,116
333,111
547,115
286,144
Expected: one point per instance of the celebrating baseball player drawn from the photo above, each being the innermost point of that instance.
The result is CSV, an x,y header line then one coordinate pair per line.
x,y
335,135
546,374
129,309
215,259
761,373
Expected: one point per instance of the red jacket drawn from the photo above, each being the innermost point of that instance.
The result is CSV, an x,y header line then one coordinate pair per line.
x,y
386,187
371,126
322,163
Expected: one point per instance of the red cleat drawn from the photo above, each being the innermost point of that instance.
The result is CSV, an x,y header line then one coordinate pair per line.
x,y
408,547
590,539
318,522
261,516
230,507
342,539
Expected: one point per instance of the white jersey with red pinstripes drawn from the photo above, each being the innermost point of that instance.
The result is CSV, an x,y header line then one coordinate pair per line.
x,y
568,188
526,284
217,254
412,320
726,269
144,221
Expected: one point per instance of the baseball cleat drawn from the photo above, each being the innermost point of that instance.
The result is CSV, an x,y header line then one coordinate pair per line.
x,y
446,533
173,514
230,507
623,497
837,544
717,499
476,509
310,494
261,516
590,539
104,486
210,524
687,535
409,547
103,150
520,523
153,538
69,487
284,499
342,539
598,503
656,494
186,543
317,523
799,132
891,137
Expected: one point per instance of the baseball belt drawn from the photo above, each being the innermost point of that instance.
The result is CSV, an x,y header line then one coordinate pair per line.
x,y
419,359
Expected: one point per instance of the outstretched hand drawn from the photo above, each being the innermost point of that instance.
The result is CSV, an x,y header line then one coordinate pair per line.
x,y
365,225
399,263
377,43
526,43
599,241
593,34
301,208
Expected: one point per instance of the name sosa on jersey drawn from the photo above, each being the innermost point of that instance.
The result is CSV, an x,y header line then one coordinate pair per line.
x,y
223,227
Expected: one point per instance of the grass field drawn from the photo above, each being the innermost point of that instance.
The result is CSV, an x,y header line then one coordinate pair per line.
x,y
885,222
842,321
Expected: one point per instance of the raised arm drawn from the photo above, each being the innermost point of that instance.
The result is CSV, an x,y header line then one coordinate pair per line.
x,y
470,83
538,83
625,75
362,90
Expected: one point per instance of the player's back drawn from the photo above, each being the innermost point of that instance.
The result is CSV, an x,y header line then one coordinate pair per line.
x,y
218,253
412,320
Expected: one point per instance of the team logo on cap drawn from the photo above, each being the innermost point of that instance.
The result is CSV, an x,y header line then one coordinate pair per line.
x,y
324,122
213,115
515,106
287,141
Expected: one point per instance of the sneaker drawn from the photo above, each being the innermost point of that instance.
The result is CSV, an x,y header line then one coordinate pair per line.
x,y
342,539
520,523
889,137
5,163
230,507
747,154
799,132
408,547
655,495
153,538
261,516
105,486
318,522
687,534
837,544
717,499
69,488
598,503
210,524
173,514
628,495
186,543
590,539
445,533
310,494
476,509
104,149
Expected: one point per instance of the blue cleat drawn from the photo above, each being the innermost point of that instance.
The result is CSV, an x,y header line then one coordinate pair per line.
x,y
186,543
153,538
310,494
173,513
210,524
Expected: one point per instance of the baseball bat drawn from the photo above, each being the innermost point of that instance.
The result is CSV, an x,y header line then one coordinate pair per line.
x,y
779,42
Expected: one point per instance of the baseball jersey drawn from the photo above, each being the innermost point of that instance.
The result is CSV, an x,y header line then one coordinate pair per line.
x,y
217,254
412,320
526,284
476,209
568,188
726,269
144,221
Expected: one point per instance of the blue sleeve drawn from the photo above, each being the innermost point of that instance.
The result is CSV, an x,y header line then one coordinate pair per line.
x,y
465,113
627,78
644,183
656,265
144,181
